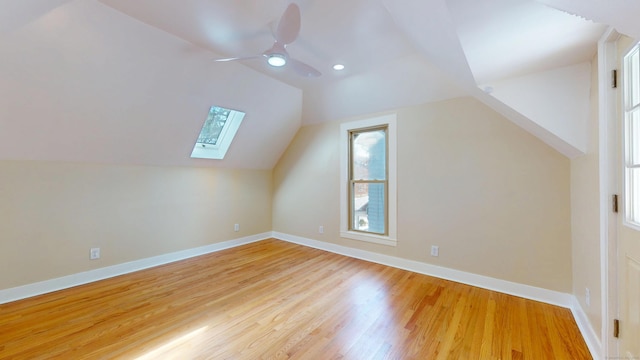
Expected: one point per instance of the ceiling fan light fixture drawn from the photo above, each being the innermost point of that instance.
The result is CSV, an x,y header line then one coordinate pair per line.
x,y
276,60
286,33
338,67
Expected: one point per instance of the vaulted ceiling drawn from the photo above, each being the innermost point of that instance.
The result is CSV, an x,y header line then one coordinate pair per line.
x,y
121,81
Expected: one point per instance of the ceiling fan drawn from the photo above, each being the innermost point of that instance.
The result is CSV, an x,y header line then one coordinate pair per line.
x,y
286,33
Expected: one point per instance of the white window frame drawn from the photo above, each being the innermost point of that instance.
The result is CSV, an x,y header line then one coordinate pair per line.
x,y
631,164
345,128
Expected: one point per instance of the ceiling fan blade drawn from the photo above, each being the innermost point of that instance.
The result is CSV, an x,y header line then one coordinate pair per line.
x,y
289,25
239,58
303,69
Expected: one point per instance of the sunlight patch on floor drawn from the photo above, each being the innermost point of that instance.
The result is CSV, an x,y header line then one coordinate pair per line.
x,y
180,346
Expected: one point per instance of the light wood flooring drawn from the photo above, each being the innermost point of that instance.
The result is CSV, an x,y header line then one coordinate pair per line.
x,y
276,300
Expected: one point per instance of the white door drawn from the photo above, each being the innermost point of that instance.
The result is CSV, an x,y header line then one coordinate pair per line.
x,y
628,254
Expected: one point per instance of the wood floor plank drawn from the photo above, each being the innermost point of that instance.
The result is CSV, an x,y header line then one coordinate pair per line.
x,y
276,300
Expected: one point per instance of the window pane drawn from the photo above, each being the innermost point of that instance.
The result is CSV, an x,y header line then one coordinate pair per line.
x,y
633,190
634,76
368,207
634,138
632,135
369,155
213,126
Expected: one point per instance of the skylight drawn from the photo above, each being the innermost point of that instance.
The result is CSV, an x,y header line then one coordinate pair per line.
x,y
217,133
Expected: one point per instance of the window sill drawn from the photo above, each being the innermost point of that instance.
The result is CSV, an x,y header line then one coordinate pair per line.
x,y
376,239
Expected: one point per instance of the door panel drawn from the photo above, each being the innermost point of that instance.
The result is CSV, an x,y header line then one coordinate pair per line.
x,y
631,330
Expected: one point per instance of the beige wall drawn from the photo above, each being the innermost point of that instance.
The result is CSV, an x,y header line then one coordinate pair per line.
x,y
585,217
494,198
52,213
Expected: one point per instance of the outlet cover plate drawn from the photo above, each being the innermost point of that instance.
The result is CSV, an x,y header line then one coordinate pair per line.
x,y
435,250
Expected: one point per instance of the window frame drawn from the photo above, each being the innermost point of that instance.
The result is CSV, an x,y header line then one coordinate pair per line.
x,y
346,130
353,181
631,138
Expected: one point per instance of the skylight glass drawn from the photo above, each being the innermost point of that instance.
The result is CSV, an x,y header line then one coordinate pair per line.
x,y
217,133
213,126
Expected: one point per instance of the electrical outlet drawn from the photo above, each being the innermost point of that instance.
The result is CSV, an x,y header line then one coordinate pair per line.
x,y
587,296
236,227
435,250
95,254
321,229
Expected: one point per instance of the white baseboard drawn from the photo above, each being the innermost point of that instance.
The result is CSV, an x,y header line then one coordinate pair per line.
x,y
503,286
485,282
525,291
588,333
26,291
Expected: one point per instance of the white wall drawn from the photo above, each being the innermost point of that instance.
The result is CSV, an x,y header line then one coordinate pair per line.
x,y
585,218
557,100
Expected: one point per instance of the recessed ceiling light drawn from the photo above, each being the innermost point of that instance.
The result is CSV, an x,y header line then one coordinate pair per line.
x,y
276,60
338,67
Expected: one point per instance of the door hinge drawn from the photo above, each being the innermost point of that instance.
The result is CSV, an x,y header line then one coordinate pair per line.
x,y
614,201
616,328
614,79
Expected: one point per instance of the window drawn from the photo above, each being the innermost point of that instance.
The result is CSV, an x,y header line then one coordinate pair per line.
x,y
631,108
217,133
368,187
368,180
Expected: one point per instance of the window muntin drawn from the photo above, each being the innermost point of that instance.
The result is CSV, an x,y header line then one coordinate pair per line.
x,y
368,180
217,133
631,106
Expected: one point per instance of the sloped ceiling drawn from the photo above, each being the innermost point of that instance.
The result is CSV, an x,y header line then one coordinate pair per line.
x,y
86,83
17,13
120,81
620,14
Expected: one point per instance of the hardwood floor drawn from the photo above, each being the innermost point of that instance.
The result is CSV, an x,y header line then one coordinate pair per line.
x,y
277,300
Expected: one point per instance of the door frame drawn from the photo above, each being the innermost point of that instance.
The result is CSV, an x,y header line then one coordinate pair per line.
x,y
610,142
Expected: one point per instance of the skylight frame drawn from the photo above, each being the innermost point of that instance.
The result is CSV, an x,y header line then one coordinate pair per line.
x,y
228,133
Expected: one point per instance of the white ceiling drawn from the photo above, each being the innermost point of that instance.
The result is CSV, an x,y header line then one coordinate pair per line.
x,y
150,66
506,38
389,47
621,14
